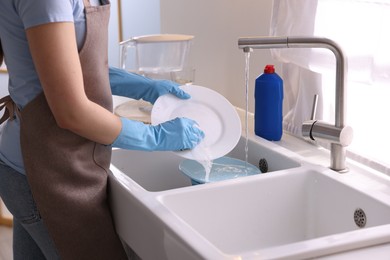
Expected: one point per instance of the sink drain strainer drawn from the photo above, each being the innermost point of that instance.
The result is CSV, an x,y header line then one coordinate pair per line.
x,y
360,218
263,165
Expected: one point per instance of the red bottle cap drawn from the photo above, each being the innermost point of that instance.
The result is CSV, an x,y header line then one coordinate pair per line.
x,y
269,69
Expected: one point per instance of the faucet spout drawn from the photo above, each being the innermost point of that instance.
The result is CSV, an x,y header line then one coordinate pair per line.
x,y
339,135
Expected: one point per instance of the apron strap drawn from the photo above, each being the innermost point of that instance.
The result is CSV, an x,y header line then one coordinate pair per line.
x,y
10,109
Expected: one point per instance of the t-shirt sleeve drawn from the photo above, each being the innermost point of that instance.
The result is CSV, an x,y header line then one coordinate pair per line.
x,y
37,12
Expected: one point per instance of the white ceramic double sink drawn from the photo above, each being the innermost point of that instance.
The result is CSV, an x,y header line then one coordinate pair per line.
x,y
297,210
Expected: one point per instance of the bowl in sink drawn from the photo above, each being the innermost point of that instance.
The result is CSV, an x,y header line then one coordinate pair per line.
x,y
220,169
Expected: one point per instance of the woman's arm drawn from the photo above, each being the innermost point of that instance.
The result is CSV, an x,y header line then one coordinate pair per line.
x,y
54,51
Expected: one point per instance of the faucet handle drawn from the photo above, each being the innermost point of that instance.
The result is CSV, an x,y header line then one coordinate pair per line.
x,y
307,126
314,108
317,130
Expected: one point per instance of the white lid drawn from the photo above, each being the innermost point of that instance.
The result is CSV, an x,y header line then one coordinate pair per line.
x,y
163,38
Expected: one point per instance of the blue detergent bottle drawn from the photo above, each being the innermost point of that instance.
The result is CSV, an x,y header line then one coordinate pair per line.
x,y
269,105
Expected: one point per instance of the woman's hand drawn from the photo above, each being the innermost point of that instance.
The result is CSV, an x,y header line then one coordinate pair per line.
x,y
173,135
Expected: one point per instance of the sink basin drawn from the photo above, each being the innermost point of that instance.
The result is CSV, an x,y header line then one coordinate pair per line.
x,y
159,171
279,214
297,210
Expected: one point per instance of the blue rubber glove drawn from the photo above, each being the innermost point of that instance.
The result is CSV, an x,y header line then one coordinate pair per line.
x,y
135,86
174,135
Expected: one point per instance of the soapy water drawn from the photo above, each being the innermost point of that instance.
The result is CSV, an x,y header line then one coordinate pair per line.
x,y
238,170
202,155
209,167
222,171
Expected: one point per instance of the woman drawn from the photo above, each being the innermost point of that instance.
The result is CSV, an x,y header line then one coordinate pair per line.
x,y
59,128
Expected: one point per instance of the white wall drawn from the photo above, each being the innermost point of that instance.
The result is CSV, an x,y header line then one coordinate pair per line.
x,y
139,17
113,35
217,25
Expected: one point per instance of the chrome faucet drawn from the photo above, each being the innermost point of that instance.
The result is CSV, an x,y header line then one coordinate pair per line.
x,y
339,135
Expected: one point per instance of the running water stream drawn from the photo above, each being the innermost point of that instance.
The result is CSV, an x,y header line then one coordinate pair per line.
x,y
247,58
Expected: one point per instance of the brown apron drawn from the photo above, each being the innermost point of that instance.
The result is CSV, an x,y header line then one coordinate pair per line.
x,y
68,173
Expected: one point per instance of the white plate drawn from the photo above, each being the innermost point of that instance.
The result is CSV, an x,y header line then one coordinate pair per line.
x,y
214,114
